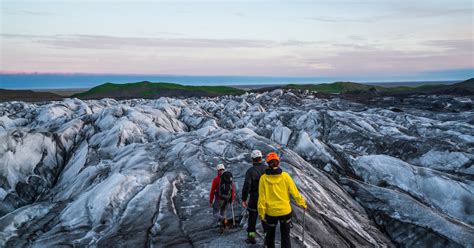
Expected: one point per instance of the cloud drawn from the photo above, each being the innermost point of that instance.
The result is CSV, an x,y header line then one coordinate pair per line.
x,y
38,13
410,10
241,14
393,61
28,12
20,36
464,45
97,42
356,38
319,66
338,19
373,59
291,57
297,43
113,42
431,10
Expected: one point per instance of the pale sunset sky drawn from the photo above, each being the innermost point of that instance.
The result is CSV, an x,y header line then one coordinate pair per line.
x,y
272,38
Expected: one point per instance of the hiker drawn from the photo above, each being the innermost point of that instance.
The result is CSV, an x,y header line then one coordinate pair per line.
x,y
274,206
221,195
252,177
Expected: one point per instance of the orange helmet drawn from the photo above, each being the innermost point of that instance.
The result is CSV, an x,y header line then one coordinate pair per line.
x,y
272,156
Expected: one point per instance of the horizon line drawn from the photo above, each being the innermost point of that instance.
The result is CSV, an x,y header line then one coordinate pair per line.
x,y
331,78
256,84
368,75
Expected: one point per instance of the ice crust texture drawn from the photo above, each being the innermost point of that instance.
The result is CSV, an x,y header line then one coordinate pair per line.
x,y
138,172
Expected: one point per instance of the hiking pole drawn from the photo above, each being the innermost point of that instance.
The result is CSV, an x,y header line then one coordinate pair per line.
x,y
304,215
233,216
243,216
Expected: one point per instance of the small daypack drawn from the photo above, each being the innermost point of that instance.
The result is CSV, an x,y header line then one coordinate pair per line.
x,y
225,186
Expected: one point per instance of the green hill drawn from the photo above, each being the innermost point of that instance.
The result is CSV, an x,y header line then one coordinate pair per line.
x,y
350,87
27,96
147,89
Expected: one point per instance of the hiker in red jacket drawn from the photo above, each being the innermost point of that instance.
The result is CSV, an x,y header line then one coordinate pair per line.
x,y
222,194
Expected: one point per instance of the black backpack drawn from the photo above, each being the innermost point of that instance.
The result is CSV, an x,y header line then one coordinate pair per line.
x,y
225,186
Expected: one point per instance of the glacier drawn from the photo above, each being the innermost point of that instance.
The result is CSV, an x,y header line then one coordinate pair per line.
x,y
138,172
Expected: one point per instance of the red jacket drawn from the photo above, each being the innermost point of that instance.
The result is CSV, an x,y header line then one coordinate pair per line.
x,y
215,188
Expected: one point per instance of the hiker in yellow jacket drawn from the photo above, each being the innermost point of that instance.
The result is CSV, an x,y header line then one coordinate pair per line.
x,y
274,191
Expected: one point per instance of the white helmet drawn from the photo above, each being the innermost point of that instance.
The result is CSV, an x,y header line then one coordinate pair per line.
x,y
220,167
256,154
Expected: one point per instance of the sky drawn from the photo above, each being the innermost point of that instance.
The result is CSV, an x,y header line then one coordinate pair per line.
x,y
360,39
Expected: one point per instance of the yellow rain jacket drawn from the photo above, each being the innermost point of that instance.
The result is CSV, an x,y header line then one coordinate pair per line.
x,y
274,191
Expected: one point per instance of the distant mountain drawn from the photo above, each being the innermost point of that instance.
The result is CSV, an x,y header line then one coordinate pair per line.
x,y
147,89
27,96
468,84
462,88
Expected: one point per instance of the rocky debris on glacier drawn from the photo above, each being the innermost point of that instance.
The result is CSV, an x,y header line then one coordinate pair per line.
x,y
137,172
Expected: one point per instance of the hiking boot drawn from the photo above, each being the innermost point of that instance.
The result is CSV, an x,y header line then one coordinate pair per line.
x,y
223,225
251,240
225,222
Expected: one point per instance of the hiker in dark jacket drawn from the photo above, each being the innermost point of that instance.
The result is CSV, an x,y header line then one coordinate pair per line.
x,y
252,177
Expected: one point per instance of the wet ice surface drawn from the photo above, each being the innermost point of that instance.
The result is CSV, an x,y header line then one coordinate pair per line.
x,y
138,172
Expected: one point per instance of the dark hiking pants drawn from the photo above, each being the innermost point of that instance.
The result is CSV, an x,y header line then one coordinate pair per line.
x,y
219,209
285,225
253,215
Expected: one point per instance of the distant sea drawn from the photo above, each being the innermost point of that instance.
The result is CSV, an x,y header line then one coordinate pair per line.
x,y
56,81
81,81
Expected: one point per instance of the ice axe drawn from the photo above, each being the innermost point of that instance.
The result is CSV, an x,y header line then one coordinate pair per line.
x,y
233,216
243,215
